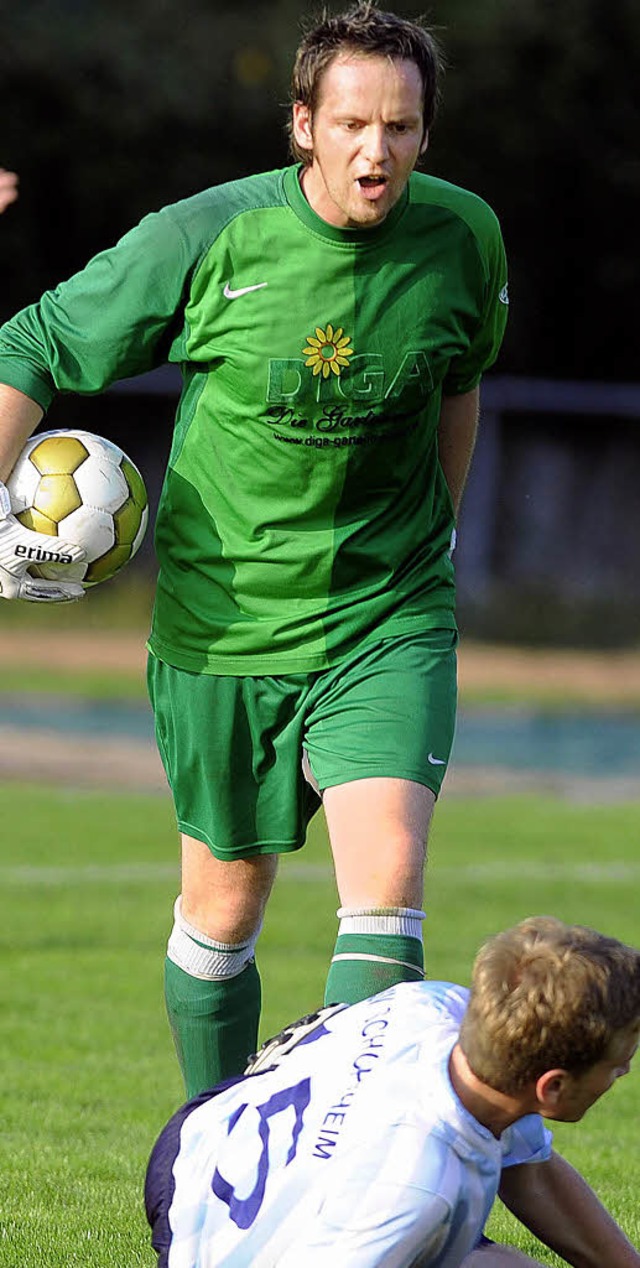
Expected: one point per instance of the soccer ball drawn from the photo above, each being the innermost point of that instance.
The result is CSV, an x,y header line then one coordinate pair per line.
x,y
83,489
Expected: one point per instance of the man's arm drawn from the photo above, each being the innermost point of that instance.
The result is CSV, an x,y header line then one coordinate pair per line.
x,y
456,439
8,188
19,417
563,1212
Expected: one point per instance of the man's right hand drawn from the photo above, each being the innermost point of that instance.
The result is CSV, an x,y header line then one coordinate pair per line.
x,y
20,548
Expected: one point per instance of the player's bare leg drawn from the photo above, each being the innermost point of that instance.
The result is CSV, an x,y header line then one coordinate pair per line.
x,y
212,983
225,900
378,830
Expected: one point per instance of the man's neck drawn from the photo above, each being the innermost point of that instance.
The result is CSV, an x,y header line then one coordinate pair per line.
x,y
494,1110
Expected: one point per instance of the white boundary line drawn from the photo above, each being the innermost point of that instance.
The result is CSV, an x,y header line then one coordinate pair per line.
x,y
613,873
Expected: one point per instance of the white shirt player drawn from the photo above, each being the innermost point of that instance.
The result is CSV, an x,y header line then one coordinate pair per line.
x,y
353,1151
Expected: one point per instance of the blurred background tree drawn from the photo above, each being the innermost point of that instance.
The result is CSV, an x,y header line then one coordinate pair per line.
x,y
113,109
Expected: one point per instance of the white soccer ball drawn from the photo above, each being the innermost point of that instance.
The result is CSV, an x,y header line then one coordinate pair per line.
x,y
85,490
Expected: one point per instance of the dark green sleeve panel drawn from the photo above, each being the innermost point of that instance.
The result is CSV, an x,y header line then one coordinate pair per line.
x,y
123,314
478,245
466,371
110,321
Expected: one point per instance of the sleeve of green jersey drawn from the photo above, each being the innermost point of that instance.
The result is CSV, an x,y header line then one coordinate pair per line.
x,y
466,370
114,319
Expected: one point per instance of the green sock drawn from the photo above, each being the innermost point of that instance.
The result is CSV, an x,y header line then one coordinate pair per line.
x,y
214,1024
365,963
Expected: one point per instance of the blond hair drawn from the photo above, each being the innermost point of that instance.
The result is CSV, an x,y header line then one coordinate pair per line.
x,y
366,31
545,996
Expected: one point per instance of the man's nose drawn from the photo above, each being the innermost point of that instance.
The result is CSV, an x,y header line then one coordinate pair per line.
x,y
376,143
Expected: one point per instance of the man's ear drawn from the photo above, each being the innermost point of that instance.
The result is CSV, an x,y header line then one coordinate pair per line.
x,y
550,1088
425,143
302,125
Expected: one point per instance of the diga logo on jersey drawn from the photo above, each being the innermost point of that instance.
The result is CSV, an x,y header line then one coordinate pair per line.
x,y
328,351
338,373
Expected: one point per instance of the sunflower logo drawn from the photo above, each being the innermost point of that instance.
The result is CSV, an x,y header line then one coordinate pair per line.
x,y
327,351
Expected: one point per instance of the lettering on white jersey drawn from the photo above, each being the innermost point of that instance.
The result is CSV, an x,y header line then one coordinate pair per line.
x,y
363,1063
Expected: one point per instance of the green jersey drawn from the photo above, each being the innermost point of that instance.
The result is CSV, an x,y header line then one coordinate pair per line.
x,y
304,509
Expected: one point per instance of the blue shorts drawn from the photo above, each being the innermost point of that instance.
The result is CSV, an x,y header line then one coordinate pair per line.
x,y
159,1184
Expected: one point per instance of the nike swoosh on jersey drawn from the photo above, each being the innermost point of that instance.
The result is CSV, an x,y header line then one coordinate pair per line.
x,y
436,761
242,290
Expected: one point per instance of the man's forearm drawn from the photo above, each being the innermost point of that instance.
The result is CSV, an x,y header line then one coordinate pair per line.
x,y
19,417
562,1210
456,440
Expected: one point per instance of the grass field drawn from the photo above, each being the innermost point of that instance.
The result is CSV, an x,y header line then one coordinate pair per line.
x,y
87,1074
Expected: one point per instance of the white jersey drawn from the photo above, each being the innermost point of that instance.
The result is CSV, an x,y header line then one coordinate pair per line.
x,y
353,1151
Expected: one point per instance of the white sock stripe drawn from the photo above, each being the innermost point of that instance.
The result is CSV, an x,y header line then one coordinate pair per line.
x,y
380,959
201,956
210,964
416,912
404,922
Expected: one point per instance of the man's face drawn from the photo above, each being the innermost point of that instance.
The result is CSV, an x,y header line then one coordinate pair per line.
x,y
365,136
579,1092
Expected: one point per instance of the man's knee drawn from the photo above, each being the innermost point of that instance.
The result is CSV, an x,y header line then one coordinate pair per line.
x,y
224,899
206,958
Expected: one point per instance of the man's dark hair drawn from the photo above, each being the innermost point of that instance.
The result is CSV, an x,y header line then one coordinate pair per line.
x,y
364,30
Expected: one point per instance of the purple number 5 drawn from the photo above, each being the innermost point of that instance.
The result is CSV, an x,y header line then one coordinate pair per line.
x,y
243,1211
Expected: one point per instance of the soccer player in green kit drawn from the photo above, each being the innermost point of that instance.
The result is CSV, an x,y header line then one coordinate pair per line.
x,y
331,322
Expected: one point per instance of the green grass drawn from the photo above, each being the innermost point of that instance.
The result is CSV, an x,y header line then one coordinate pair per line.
x,y
80,683
87,1074
123,603
130,685
546,699
124,606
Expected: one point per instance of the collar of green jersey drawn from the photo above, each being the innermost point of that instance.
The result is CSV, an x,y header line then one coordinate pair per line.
x,y
348,237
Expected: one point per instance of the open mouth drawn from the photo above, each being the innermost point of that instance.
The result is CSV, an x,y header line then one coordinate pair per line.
x,y
372,184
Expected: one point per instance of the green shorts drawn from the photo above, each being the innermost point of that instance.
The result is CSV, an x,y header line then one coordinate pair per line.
x,y
232,747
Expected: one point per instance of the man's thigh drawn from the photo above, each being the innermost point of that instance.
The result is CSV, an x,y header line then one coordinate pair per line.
x,y
232,751
378,829
378,739
387,711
